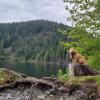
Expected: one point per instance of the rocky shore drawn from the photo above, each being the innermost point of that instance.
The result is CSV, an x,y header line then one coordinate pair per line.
x,y
17,86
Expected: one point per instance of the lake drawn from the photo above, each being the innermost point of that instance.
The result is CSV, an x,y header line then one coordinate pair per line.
x,y
34,69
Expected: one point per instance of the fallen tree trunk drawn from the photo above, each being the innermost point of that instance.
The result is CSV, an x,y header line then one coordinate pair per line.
x,y
81,70
35,81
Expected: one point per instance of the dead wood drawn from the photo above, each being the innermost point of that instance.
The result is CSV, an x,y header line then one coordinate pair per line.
x,y
81,70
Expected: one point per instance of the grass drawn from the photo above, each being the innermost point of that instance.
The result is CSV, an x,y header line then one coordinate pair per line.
x,y
81,79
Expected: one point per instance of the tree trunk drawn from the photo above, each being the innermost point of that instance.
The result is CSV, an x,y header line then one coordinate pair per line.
x,y
81,70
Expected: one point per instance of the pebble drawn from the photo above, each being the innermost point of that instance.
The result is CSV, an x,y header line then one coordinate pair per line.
x,y
40,96
51,95
48,92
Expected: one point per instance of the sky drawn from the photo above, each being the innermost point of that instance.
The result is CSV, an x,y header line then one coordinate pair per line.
x,y
24,10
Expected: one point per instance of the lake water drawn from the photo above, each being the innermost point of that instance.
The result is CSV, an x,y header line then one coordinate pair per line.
x,y
34,69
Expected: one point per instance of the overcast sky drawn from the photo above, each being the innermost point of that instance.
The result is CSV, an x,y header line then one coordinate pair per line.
x,y
24,10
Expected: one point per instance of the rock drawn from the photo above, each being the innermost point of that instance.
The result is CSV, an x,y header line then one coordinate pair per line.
x,y
40,97
51,95
8,96
47,92
61,98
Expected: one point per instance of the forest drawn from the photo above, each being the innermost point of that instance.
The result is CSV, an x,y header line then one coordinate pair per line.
x,y
36,40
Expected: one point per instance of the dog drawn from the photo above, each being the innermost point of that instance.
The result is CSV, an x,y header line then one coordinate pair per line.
x,y
76,57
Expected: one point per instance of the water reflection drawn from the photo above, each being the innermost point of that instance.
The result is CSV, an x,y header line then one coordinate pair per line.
x,y
34,69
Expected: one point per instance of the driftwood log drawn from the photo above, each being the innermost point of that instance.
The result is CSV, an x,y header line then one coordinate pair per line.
x,y
81,70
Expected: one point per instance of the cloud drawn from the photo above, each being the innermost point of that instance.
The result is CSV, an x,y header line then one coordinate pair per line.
x,y
22,10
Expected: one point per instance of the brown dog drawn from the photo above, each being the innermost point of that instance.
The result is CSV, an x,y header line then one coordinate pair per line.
x,y
76,57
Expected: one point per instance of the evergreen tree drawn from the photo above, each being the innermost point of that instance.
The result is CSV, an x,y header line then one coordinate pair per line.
x,y
33,40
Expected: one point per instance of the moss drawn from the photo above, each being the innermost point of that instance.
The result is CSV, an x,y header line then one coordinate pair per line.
x,y
6,77
3,76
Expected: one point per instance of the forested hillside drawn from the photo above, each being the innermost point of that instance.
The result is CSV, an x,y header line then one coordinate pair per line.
x,y
33,40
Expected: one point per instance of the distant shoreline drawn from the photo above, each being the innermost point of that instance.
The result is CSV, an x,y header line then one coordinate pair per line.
x,y
40,62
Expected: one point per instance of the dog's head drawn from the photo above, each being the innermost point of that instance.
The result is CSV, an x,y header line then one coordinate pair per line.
x,y
72,51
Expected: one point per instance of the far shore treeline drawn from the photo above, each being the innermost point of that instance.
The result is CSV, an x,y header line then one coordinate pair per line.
x,y
36,40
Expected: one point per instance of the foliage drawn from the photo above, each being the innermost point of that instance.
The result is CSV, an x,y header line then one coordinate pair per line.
x,y
33,40
61,75
85,13
77,80
84,36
